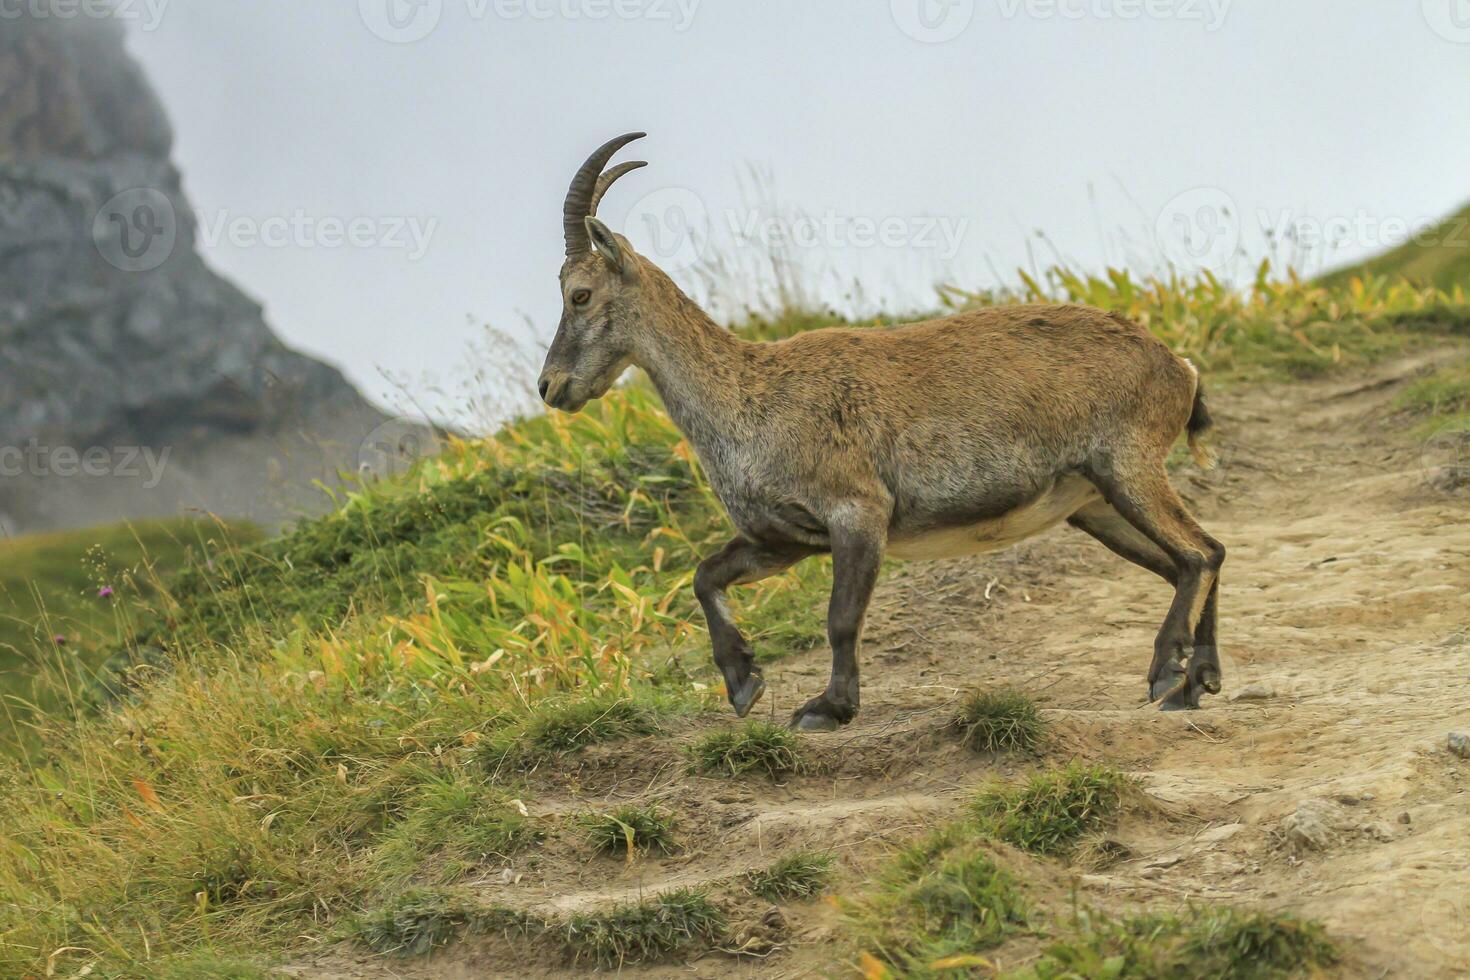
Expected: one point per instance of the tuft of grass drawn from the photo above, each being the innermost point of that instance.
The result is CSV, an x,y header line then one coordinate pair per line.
x,y
1050,812
209,965
1443,395
630,829
757,746
942,897
561,725
413,922
1000,721
680,920
1222,943
451,825
801,875
566,725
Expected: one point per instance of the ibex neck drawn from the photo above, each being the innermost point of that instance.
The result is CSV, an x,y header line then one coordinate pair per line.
x,y
697,366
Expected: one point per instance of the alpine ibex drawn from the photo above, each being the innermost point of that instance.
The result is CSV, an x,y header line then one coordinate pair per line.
x,y
948,437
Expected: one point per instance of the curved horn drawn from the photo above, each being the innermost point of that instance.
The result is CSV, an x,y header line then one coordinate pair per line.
x,y
606,180
578,204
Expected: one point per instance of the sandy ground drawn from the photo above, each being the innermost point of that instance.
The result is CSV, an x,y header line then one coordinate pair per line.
x,y
1319,781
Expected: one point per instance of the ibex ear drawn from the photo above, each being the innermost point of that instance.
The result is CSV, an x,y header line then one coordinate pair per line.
x,y
606,244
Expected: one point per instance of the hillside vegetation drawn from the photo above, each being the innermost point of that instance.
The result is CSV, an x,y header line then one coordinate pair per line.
x,y
314,737
67,599
1438,256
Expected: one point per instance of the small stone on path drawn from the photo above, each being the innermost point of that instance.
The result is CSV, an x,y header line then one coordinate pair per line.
x,y
1459,744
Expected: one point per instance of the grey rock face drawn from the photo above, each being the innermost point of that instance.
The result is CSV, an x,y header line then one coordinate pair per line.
x,y
114,334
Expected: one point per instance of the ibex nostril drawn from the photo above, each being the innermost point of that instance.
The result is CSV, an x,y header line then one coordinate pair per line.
x,y
542,387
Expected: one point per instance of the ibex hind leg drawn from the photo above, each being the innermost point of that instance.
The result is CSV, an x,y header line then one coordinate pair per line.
x,y
857,556
1147,523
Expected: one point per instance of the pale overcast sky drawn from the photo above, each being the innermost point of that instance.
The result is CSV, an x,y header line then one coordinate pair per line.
x,y
916,139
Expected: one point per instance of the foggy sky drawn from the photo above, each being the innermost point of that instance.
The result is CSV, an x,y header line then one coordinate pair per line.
x,y
909,157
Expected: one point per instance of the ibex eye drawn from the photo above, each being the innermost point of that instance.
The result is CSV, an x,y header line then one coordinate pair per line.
x,y
581,296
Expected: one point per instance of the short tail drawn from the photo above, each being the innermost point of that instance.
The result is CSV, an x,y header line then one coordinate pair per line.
x,y
1200,422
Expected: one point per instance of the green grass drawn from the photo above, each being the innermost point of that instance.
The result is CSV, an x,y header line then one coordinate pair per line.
x,y
1004,720
942,897
683,920
416,921
755,747
413,922
943,903
1272,328
52,619
804,874
1440,398
630,829
450,826
1222,943
208,965
561,725
1053,810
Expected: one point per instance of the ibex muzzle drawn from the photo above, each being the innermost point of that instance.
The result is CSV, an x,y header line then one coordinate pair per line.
x,y
948,437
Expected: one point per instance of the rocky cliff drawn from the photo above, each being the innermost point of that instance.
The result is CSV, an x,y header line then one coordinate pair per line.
x,y
134,381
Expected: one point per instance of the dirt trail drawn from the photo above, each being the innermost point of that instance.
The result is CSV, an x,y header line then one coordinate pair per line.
x,y
1345,636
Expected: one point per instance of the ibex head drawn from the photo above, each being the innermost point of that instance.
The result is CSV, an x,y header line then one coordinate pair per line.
x,y
599,289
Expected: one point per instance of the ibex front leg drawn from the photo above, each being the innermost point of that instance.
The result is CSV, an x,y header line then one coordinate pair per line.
x,y
857,554
738,562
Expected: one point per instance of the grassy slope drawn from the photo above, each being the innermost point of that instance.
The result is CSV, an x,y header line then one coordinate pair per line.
x,y
50,609
1439,258
319,721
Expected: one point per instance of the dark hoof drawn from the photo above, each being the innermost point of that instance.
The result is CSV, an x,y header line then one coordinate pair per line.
x,y
821,715
1182,698
1172,691
1204,670
746,695
816,723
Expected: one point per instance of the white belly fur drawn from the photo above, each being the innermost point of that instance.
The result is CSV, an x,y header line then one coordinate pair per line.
x,y
1064,499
